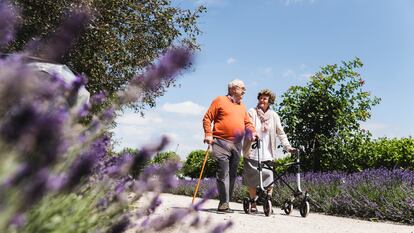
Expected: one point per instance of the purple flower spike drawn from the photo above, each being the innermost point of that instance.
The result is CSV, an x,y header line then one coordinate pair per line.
x,y
84,110
167,68
8,20
209,194
78,82
81,168
19,122
108,114
18,220
55,183
120,226
102,203
165,222
65,36
222,227
98,98
36,189
156,201
22,172
87,162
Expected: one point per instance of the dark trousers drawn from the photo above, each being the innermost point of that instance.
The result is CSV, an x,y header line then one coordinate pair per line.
x,y
227,155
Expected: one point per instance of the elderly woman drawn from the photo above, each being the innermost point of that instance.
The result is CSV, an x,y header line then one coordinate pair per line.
x,y
268,127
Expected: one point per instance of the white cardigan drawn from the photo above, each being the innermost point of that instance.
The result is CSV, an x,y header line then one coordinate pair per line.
x,y
275,129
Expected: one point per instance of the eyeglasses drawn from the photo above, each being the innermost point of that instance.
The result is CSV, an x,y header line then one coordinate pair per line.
x,y
242,88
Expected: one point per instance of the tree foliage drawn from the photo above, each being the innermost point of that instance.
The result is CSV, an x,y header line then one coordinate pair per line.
x,y
164,157
122,37
327,112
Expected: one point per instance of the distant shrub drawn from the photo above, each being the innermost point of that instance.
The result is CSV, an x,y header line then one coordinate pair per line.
x,y
194,162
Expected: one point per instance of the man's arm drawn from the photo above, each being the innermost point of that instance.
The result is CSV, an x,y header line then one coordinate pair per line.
x,y
207,120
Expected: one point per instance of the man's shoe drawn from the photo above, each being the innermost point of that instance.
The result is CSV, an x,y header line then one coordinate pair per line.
x,y
224,208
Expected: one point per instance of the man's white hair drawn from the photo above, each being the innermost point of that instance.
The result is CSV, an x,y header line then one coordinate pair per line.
x,y
235,83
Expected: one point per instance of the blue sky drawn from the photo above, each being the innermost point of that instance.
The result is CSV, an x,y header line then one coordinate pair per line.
x,y
279,43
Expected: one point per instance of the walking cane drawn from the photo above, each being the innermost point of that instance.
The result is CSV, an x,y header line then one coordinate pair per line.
x,y
201,174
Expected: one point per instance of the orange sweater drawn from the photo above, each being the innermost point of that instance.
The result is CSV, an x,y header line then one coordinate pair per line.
x,y
230,119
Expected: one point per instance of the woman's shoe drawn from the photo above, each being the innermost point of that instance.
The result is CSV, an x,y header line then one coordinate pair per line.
x,y
253,206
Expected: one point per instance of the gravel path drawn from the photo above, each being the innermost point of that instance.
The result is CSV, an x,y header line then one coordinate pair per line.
x,y
278,221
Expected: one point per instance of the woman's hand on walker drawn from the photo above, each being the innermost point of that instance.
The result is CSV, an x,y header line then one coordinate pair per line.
x,y
292,150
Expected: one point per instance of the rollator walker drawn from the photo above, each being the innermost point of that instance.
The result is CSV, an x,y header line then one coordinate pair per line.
x,y
263,197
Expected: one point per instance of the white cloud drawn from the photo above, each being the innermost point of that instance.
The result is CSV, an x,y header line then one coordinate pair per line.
x,y
187,107
231,60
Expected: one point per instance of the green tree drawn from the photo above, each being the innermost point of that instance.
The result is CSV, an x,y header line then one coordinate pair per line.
x,y
163,157
122,37
327,112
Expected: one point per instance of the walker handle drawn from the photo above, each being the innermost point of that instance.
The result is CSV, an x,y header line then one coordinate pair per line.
x,y
256,145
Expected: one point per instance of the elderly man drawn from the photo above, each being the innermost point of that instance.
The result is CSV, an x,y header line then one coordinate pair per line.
x,y
231,121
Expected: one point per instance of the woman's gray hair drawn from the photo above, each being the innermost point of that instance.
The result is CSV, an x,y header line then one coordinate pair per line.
x,y
235,83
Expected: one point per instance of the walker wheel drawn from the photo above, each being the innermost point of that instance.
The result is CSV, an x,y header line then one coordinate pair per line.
x,y
304,208
246,205
287,207
267,207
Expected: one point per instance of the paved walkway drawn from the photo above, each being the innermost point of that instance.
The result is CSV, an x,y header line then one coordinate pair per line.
x,y
278,221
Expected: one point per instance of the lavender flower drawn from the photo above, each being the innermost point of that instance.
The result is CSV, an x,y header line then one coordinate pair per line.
x,y
120,226
8,20
18,220
84,110
102,204
80,168
145,155
211,192
35,190
161,223
108,114
167,68
76,85
156,201
60,42
98,98
222,227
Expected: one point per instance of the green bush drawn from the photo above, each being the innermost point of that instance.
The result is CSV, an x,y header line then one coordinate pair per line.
x,y
392,153
163,157
194,162
358,152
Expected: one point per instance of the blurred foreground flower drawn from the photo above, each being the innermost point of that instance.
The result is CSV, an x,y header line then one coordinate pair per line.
x,y
57,174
